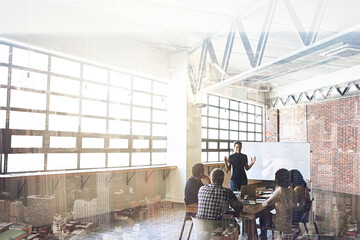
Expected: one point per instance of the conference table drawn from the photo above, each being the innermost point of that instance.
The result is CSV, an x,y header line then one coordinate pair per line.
x,y
249,213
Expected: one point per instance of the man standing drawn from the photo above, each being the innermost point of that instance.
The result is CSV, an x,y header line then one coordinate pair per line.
x,y
215,200
194,183
239,163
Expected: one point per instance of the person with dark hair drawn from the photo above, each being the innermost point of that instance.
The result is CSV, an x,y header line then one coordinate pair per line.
x,y
194,183
301,197
215,200
238,163
283,202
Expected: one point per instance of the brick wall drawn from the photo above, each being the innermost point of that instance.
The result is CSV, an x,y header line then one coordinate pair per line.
x,y
333,133
271,125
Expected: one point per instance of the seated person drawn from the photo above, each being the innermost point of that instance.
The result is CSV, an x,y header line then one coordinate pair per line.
x,y
194,183
282,199
301,197
215,200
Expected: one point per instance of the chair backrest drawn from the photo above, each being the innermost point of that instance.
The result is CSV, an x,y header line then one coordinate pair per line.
x,y
204,228
249,190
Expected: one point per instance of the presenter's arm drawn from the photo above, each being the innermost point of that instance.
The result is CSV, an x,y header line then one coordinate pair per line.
x,y
253,160
227,164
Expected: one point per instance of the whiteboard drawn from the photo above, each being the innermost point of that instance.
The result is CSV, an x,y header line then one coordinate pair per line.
x,y
271,156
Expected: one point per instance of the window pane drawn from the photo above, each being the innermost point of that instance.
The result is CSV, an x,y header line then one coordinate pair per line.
x,y
204,111
30,59
204,133
142,129
159,102
224,113
213,100
224,134
2,118
92,160
142,84
3,75
142,114
224,102
258,137
160,88
26,141
251,108
234,105
92,142
214,112
140,143
234,125
251,118
95,74
140,159
259,110
4,53
25,162
159,130
59,161
224,145
93,108
158,158
3,97
63,123
159,116
65,67
224,124
251,137
64,104
62,142
119,111
233,136
156,144
243,126
119,127
213,134
141,99
118,143
243,116
20,78
258,119
29,100
204,157
65,86
243,107
251,127
243,136
213,156
258,128
213,123
35,121
119,95
213,145
203,145
120,79
93,125
234,115
97,91
118,159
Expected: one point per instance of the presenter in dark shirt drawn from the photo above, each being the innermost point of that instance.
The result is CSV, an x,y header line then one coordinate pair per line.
x,y
194,183
238,163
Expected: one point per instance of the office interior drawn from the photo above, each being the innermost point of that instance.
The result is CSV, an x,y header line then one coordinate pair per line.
x,y
105,106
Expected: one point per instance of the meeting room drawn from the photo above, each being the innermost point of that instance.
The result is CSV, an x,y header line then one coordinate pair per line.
x,y
170,119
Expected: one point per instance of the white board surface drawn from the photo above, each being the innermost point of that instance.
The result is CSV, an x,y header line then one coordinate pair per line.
x,y
270,157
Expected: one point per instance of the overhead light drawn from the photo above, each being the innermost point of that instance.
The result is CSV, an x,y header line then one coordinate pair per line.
x,y
345,51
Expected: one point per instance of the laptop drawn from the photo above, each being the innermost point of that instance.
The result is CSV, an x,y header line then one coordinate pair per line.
x,y
249,190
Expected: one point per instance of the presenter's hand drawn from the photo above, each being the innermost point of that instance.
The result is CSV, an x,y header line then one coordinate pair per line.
x,y
253,160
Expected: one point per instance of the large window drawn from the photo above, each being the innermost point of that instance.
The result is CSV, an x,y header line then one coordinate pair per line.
x,y
225,121
58,113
